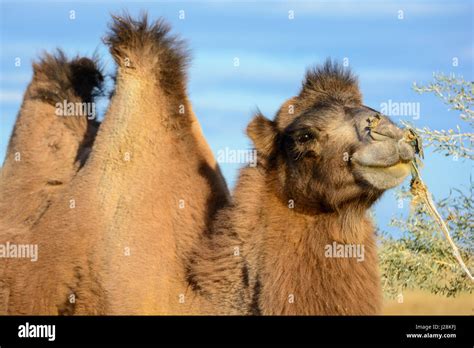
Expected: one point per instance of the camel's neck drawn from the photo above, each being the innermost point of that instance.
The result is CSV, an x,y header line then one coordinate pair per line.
x,y
306,263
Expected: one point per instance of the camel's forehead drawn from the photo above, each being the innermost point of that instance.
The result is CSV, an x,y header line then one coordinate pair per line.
x,y
323,116
311,116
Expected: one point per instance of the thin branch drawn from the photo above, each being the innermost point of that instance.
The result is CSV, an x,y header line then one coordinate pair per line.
x,y
420,191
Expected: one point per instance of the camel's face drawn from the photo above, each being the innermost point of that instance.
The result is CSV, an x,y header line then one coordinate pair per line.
x,y
333,154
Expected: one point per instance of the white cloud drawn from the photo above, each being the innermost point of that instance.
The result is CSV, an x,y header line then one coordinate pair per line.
x,y
259,67
372,8
15,77
30,51
10,96
391,75
284,71
236,101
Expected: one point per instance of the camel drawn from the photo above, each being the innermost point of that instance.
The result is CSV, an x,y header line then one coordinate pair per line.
x,y
322,162
143,222
113,241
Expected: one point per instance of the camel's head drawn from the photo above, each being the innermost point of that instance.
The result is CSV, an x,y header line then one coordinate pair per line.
x,y
325,149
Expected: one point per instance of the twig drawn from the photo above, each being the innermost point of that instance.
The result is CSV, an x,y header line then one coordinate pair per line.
x,y
420,191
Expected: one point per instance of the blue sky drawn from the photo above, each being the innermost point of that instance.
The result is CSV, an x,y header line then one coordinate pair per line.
x,y
388,54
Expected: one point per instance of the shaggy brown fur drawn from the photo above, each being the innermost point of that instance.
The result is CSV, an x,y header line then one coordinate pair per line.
x,y
46,150
147,191
303,196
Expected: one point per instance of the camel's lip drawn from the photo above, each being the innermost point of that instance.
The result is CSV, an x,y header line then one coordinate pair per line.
x,y
399,169
380,166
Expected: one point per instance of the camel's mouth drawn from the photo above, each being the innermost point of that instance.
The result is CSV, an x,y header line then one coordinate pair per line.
x,y
381,165
384,177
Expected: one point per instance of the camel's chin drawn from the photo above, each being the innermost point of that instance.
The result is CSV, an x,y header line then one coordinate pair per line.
x,y
384,178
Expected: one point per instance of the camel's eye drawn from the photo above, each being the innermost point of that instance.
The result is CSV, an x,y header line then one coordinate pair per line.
x,y
304,137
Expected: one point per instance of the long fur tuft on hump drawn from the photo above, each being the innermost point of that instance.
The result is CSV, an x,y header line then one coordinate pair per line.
x,y
139,44
329,83
57,78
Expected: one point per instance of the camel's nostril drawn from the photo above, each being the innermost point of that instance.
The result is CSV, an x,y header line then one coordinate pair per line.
x,y
380,128
385,132
378,136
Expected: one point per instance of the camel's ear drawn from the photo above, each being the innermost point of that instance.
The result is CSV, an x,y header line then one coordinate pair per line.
x,y
262,132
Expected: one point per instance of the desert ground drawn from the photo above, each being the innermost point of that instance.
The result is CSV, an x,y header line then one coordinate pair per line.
x,y
425,303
